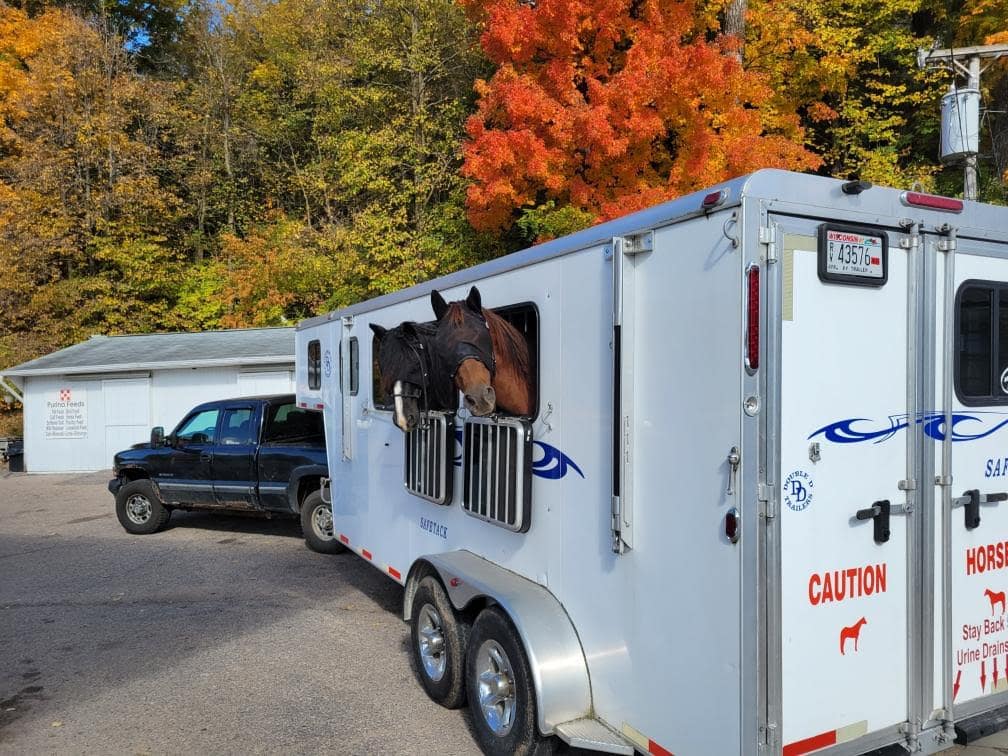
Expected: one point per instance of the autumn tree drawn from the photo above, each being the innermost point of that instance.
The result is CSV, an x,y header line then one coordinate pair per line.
x,y
84,218
609,106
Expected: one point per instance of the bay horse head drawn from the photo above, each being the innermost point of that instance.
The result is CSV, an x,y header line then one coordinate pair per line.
x,y
485,356
406,364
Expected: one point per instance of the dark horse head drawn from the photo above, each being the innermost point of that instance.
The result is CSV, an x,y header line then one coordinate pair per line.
x,y
485,356
410,372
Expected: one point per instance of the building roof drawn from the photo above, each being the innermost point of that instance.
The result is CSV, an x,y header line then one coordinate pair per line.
x,y
116,354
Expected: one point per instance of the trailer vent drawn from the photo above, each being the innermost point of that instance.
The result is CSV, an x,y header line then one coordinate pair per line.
x,y
497,460
428,467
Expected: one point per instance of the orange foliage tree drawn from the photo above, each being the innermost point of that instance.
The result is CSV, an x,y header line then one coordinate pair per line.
x,y
608,106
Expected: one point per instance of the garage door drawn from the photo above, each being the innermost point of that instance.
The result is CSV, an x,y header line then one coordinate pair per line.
x,y
272,382
127,414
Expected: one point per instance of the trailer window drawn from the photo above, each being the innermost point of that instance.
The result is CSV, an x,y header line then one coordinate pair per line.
x,y
981,350
525,318
314,365
353,384
381,400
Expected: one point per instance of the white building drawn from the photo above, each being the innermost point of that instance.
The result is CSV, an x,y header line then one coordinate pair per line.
x,y
84,403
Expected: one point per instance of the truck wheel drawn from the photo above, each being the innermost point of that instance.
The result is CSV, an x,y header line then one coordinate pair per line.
x,y
439,644
317,525
139,510
499,683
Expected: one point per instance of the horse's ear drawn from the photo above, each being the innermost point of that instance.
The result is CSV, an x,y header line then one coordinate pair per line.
x,y
378,330
438,303
473,301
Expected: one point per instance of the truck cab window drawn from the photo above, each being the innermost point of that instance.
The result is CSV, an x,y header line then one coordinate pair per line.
x,y
199,429
236,428
981,352
314,365
286,423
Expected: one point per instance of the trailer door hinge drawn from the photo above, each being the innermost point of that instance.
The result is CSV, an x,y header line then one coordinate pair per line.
x,y
768,503
770,735
768,236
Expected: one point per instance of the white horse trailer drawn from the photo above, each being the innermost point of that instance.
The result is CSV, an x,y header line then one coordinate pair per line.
x,y
756,508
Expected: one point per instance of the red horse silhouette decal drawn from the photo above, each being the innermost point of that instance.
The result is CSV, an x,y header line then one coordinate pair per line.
x,y
854,631
995,599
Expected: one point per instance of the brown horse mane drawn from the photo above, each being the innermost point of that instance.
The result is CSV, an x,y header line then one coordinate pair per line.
x,y
510,341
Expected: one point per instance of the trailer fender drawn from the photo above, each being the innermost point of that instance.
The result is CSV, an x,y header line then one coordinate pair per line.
x,y
556,659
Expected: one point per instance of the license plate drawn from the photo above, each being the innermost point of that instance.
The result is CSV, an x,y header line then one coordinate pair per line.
x,y
852,255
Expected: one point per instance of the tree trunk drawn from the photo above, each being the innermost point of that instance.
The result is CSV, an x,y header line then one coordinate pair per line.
x,y
734,25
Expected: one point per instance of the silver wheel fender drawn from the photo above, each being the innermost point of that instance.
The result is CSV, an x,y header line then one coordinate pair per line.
x,y
544,628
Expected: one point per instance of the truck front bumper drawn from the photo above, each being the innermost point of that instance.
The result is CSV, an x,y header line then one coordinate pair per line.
x,y
114,485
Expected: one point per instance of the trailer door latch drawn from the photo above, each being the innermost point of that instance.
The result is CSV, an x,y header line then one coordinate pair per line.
x,y
879,512
971,500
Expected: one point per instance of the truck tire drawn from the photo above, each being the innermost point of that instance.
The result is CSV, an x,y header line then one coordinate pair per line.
x,y
317,525
139,510
439,638
499,685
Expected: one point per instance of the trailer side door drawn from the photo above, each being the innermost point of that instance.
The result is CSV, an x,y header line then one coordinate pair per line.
x,y
970,469
847,344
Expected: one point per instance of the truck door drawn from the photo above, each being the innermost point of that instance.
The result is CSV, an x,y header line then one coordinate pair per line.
x,y
234,458
970,280
845,477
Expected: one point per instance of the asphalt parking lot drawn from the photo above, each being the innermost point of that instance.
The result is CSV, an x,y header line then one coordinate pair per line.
x,y
222,634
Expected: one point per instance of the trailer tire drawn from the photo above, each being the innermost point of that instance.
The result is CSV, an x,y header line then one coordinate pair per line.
x,y
499,685
138,508
439,638
317,525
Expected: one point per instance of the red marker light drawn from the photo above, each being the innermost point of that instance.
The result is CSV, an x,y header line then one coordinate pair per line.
x,y
932,202
752,318
714,199
731,525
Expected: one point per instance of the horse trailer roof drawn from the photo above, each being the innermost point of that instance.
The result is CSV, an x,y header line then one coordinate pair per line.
x,y
114,354
786,190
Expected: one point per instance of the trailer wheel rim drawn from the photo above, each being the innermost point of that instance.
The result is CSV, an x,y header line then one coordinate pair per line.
x,y
431,642
322,522
495,687
138,509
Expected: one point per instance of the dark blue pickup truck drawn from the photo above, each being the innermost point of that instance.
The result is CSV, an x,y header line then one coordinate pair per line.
x,y
255,454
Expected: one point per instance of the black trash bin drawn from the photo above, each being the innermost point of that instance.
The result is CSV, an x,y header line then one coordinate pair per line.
x,y
15,456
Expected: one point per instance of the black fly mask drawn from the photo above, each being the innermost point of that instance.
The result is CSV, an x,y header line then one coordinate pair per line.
x,y
462,333
410,368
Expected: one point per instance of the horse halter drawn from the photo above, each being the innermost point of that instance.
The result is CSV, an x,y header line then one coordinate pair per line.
x,y
400,390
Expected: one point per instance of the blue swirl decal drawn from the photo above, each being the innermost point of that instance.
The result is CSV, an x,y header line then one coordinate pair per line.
x,y
979,425
552,465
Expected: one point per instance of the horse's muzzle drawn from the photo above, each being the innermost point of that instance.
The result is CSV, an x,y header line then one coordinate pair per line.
x,y
481,401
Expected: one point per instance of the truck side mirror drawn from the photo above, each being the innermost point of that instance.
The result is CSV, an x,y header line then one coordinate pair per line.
x,y
157,437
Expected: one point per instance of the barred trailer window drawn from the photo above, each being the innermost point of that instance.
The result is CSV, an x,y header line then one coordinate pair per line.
x,y
314,365
981,349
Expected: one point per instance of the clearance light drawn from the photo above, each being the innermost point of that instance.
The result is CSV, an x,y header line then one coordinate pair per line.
x,y
714,199
932,201
752,318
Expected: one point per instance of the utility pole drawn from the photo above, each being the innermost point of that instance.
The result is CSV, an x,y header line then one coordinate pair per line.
x,y
962,61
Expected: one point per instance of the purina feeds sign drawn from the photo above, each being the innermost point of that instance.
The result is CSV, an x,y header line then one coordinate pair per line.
x,y
66,414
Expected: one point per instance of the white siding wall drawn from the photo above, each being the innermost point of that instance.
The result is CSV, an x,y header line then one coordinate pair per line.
x,y
121,411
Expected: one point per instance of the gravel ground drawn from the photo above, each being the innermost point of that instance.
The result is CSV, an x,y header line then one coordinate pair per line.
x,y
222,634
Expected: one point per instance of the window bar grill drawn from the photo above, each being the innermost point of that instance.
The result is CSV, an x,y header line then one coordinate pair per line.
x,y
428,454
497,463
